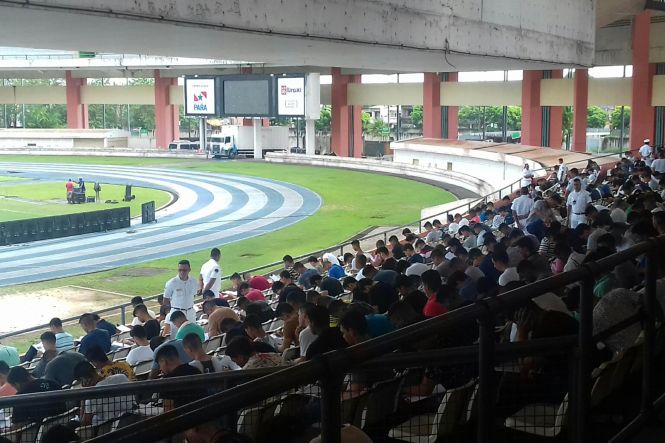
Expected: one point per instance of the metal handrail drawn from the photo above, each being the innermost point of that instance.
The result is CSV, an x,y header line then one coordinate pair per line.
x,y
468,206
328,367
339,247
437,357
122,307
137,387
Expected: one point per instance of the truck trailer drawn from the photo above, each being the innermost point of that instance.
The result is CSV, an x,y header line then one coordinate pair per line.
x,y
234,140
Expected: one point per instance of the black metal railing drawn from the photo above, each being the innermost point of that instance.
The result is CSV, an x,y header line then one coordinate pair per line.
x,y
120,309
263,269
328,369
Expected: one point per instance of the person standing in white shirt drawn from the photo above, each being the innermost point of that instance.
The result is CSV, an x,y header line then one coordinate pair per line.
x,y
522,207
527,176
562,173
180,291
210,277
646,152
577,203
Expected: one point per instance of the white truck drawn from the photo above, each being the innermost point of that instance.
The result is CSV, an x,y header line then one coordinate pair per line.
x,y
236,140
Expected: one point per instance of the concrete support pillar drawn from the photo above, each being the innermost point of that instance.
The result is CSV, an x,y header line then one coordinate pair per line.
x,y
346,122
339,119
532,121
310,137
556,119
355,124
580,105
431,105
642,117
452,127
167,116
77,113
258,150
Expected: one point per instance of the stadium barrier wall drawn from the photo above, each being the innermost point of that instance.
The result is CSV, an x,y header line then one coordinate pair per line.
x,y
470,183
45,228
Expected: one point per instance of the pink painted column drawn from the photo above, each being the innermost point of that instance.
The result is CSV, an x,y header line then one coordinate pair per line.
x,y
532,119
642,116
77,113
431,105
580,105
556,118
453,113
339,124
167,116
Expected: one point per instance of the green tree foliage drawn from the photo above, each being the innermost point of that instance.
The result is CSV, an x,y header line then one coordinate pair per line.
x,y
417,116
366,120
323,123
11,116
45,116
377,128
567,123
615,117
596,117
283,121
473,117
142,116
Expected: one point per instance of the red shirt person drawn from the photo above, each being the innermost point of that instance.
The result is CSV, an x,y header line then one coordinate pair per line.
x,y
70,189
432,285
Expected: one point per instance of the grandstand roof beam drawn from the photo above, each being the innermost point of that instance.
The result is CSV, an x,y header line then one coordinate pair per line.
x,y
449,35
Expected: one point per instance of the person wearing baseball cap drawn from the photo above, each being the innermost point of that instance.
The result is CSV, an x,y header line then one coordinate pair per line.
x,y
646,152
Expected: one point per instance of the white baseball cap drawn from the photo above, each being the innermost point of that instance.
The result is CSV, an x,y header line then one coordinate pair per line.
x,y
618,215
452,228
646,140
509,275
417,269
329,257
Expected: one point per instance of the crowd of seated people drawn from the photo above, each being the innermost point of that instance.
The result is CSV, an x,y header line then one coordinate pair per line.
x,y
325,303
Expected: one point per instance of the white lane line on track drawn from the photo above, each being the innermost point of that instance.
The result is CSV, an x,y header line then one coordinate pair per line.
x,y
221,200
133,249
293,201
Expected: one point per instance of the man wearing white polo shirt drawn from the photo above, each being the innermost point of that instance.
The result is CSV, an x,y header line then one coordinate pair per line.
x,y
211,274
577,203
180,291
562,173
646,152
522,207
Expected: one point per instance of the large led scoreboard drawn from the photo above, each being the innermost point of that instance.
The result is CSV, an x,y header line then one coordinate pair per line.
x,y
251,96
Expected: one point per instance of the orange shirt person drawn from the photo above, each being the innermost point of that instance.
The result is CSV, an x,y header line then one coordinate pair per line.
x,y
70,189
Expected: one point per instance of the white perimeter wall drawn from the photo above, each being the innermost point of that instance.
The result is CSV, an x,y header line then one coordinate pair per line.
x,y
497,169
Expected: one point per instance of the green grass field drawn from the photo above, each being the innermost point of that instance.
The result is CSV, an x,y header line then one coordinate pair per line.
x,y
352,202
32,200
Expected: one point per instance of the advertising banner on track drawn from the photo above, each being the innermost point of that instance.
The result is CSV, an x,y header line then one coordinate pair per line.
x,y
291,96
200,97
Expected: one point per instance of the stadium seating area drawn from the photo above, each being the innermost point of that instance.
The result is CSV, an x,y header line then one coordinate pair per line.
x,y
556,226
